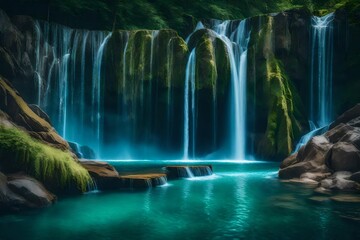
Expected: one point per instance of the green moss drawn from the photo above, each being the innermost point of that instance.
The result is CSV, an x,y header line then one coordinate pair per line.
x,y
19,152
222,66
206,72
274,94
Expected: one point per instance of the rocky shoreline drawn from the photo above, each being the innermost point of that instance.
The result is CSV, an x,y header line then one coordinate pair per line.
x,y
331,161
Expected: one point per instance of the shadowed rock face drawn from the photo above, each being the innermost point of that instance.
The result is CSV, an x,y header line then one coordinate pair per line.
x,y
332,159
20,113
20,192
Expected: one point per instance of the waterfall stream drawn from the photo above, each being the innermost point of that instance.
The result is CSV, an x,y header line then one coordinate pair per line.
x,y
321,78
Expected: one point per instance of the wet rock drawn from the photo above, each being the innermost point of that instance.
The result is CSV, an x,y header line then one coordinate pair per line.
x,y
317,176
175,172
105,176
315,150
296,170
75,149
291,160
344,157
87,152
143,180
339,181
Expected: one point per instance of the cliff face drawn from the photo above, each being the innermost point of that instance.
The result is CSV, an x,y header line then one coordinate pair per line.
x,y
127,87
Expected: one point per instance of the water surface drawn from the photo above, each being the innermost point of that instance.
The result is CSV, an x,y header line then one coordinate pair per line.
x,y
242,200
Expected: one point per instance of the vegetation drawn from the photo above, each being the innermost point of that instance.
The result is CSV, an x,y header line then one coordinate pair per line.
x,y
55,168
180,15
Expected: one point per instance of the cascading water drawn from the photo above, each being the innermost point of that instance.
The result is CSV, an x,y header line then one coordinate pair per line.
x,y
236,43
99,97
321,76
321,70
189,83
63,88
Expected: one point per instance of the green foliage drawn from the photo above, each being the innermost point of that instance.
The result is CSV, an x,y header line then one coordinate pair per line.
x,y
180,15
56,168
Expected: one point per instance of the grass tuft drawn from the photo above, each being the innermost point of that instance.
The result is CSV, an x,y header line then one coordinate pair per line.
x,y
20,152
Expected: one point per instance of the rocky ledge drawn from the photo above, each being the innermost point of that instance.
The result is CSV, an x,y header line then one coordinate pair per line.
x,y
106,177
331,161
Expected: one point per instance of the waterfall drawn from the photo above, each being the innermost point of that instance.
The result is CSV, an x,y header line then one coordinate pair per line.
x,y
321,77
189,80
97,90
321,70
236,42
64,58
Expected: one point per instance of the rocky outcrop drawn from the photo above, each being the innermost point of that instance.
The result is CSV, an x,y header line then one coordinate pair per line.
x,y
274,101
21,192
21,114
106,177
331,160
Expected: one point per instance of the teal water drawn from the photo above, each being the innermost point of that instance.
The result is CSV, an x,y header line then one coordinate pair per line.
x,y
241,201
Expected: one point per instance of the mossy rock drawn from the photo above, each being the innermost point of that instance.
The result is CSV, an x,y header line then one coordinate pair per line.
x,y
275,94
57,169
212,61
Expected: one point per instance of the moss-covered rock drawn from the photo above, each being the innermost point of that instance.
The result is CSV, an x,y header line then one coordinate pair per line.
x,y
212,60
57,169
275,96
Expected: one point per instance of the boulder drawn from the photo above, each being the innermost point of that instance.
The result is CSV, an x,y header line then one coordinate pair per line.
x,y
21,192
316,176
296,170
347,116
344,157
31,190
292,159
352,136
335,134
105,176
339,181
315,150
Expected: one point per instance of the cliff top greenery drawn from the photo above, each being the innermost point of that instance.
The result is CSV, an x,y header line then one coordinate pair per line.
x,y
180,15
